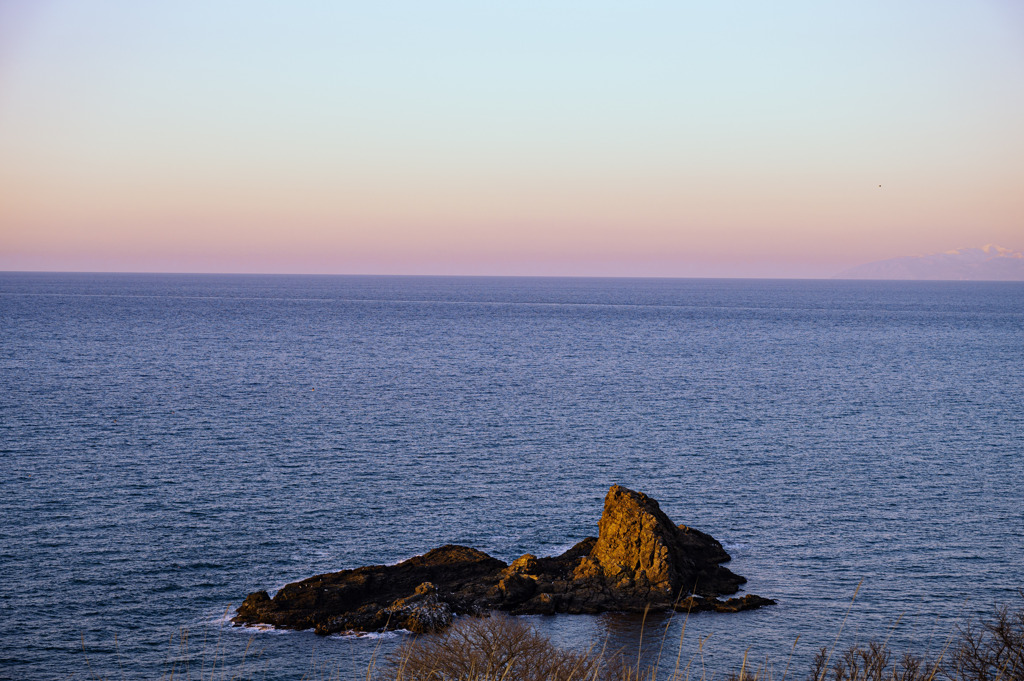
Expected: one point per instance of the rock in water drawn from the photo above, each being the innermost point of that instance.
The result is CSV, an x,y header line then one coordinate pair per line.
x,y
640,559
419,594
642,554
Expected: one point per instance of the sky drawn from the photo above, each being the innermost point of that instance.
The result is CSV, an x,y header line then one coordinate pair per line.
x,y
596,138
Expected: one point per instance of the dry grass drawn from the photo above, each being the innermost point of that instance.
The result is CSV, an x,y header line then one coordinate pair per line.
x,y
495,648
988,649
502,648
499,648
991,649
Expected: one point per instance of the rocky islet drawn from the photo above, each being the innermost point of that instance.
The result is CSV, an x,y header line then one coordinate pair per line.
x,y
640,559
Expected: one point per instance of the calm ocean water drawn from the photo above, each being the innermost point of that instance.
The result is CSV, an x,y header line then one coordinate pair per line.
x,y
171,443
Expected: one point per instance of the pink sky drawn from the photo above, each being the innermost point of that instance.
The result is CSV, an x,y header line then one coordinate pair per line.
x,y
705,143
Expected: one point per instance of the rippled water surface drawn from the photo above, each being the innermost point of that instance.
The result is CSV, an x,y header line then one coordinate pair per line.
x,y
171,443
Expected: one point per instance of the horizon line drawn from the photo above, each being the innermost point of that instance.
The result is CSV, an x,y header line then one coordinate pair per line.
x,y
491,276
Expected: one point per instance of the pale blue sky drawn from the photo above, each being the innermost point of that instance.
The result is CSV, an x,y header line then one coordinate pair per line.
x,y
563,133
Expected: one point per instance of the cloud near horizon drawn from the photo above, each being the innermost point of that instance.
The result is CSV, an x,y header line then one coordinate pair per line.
x,y
988,263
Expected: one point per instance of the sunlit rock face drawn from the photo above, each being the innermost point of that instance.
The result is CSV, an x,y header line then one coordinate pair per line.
x,y
642,553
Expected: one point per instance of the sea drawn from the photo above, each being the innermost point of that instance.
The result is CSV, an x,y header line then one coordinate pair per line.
x,y
170,443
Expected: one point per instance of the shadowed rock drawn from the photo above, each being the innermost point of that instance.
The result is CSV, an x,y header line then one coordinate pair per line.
x,y
640,559
419,594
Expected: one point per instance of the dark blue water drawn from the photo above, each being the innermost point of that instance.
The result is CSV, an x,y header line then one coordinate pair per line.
x,y
171,443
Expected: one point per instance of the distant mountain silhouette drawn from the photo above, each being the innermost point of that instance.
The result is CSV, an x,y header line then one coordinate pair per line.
x,y
988,263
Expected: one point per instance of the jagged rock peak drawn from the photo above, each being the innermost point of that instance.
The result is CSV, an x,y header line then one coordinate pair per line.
x,y
640,550
634,538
